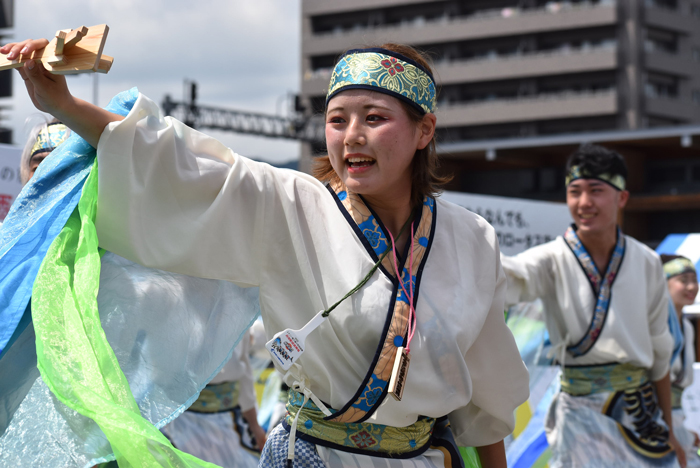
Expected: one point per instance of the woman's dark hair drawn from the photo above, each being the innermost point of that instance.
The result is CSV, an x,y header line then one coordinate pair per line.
x,y
595,160
426,177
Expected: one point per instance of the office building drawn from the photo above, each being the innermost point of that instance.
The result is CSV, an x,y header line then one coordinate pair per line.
x,y
515,70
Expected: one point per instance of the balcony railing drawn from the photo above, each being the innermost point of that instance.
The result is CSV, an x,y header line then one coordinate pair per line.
x,y
554,53
568,104
482,15
563,50
540,97
670,106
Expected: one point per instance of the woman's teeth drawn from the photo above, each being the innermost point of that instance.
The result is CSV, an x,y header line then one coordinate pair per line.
x,y
360,162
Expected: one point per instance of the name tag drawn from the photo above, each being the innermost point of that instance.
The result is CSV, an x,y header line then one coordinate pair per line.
x,y
399,373
288,345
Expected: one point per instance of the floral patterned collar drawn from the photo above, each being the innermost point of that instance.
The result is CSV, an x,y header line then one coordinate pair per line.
x,y
601,286
372,233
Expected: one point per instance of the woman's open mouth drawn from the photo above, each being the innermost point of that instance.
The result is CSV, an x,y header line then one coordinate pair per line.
x,y
358,162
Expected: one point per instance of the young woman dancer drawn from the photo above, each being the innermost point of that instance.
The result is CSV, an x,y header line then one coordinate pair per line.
x,y
399,275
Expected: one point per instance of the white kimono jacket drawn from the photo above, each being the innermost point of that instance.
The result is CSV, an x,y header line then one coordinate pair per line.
x,y
175,199
636,330
585,431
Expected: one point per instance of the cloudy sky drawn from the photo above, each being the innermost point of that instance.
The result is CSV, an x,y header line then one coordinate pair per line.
x,y
244,54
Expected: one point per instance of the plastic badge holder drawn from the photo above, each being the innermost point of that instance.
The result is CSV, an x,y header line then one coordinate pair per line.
x,y
288,345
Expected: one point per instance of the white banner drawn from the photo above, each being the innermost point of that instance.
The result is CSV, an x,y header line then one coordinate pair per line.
x,y
10,184
520,224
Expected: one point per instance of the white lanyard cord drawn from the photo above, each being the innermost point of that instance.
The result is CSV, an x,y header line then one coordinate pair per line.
x,y
306,391
560,349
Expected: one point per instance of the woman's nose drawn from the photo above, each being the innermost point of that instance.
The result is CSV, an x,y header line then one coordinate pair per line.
x,y
354,134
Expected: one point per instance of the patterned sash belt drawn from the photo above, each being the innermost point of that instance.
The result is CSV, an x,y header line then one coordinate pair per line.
x,y
216,398
676,397
584,380
364,438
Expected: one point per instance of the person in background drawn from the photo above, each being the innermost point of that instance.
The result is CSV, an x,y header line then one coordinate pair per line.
x,y
43,139
606,310
682,281
221,427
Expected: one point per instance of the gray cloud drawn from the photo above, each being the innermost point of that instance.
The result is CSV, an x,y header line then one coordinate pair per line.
x,y
243,54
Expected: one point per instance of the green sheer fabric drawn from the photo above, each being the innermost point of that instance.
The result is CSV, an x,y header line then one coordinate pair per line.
x,y
73,355
75,359
470,457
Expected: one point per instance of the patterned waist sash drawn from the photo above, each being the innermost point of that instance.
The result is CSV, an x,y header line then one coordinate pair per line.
x,y
216,398
584,380
364,438
631,403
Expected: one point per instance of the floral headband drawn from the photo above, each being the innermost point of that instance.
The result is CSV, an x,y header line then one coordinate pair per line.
x,y
678,266
386,72
615,180
50,137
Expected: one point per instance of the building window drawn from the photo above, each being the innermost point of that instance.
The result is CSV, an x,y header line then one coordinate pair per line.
x,y
696,97
661,86
696,54
695,10
660,90
668,4
659,40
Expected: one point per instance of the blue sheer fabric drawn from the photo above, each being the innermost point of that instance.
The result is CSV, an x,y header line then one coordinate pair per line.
x,y
38,215
170,333
35,219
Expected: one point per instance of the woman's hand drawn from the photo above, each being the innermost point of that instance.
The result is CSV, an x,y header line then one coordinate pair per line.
x,y
259,434
50,94
14,49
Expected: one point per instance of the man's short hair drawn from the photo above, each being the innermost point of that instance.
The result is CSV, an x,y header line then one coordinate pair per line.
x,y
595,160
665,258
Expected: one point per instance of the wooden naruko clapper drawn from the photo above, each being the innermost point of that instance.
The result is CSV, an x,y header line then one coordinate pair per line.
x,y
70,52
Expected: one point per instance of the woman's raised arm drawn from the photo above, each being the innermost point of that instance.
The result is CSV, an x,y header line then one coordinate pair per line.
x,y
50,94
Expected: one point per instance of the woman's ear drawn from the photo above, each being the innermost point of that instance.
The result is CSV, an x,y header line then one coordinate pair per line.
x,y
426,130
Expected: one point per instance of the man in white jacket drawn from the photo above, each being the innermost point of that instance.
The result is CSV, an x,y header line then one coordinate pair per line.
x,y
606,309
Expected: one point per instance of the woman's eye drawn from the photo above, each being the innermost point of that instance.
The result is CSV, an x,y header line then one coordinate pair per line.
x,y
335,120
374,118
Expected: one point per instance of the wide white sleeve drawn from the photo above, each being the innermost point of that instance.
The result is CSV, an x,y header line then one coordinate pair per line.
x,y
661,338
530,274
500,380
172,198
